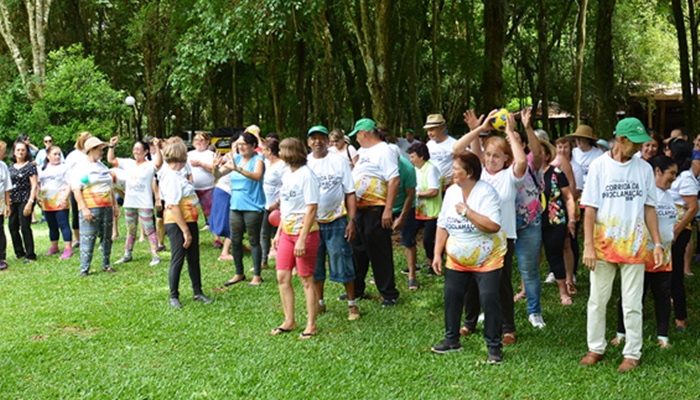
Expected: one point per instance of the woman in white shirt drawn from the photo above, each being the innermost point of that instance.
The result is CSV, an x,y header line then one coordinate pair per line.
x,y
339,143
297,238
54,195
138,195
504,167
469,230
201,159
272,183
74,158
685,195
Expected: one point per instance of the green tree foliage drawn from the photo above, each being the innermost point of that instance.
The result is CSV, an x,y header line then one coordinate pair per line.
x,y
77,97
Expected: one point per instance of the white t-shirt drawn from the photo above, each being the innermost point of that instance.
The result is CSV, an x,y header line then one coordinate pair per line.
x,y
5,185
299,189
375,167
176,189
74,158
667,215
202,178
404,145
441,155
348,153
506,184
584,160
685,185
272,181
335,181
165,170
95,182
138,183
578,174
54,185
467,247
620,191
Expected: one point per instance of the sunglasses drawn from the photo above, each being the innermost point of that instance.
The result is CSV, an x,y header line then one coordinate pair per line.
x,y
48,141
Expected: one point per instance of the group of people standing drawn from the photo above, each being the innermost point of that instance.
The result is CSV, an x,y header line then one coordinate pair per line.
x,y
480,201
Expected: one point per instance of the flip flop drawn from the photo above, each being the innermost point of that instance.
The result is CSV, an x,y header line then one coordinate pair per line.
x,y
413,284
305,335
279,330
251,284
232,282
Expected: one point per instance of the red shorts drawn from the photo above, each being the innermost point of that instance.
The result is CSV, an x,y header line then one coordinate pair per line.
x,y
285,254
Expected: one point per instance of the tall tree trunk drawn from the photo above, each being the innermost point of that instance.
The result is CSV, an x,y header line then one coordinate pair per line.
x,y
693,21
495,40
578,63
605,108
371,28
435,94
543,62
37,21
679,20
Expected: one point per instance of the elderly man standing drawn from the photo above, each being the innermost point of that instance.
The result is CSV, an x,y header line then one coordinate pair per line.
x,y
619,197
440,147
376,176
336,204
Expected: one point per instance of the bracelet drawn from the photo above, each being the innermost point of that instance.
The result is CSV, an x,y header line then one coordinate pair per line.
x,y
464,212
111,147
658,245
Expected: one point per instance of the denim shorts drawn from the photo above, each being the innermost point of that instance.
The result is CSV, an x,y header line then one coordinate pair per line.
x,y
339,252
410,228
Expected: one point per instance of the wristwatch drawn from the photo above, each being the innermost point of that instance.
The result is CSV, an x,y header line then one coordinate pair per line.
x,y
464,212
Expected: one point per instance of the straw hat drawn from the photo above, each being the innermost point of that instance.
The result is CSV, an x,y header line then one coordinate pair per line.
x,y
433,121
92,143
584,131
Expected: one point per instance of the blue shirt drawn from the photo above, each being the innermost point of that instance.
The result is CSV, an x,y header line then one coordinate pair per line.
x,y
246,194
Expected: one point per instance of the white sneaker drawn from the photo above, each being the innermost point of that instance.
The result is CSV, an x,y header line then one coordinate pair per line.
x,y
550,278
537,321
155,260
480,319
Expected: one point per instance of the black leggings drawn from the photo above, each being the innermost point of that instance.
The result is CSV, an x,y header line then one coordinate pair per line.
x,y
472,304
75,221
677,276
553,237
178,255
660,284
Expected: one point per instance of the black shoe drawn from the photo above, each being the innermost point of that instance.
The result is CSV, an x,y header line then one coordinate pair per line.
x,y
431,272
175,303
389,302
27,260
204,299
83,274
405,271
495,356
446,347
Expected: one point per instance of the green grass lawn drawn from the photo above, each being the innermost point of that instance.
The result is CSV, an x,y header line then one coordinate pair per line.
x,y
114,336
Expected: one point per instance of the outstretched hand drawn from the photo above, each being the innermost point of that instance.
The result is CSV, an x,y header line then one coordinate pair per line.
x,y
471,120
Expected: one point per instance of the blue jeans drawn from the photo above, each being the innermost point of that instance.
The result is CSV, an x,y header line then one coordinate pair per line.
x,y
527,250
101,226
339,252
59,220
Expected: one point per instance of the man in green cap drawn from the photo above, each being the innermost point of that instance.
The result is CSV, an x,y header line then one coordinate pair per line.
x,y
376,176
337,208
619,196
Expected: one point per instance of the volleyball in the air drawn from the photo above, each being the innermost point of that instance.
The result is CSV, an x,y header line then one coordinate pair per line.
x,y
498,122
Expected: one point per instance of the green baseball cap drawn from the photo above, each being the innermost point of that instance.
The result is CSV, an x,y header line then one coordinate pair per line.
x,y
317,128
633,130
364,124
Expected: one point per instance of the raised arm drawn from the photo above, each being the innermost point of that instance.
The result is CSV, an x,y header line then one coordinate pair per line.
x,y
111,159
516,146
477,125
533,142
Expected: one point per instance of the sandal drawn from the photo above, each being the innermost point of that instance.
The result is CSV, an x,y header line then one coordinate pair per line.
x,y
279,330
413,284
571,288
305,335
233,281
617,340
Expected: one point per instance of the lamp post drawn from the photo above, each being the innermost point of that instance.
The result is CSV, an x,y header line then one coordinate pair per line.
x,y
131,102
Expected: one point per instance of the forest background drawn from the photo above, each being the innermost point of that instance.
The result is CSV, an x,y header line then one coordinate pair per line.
x,y
285,65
